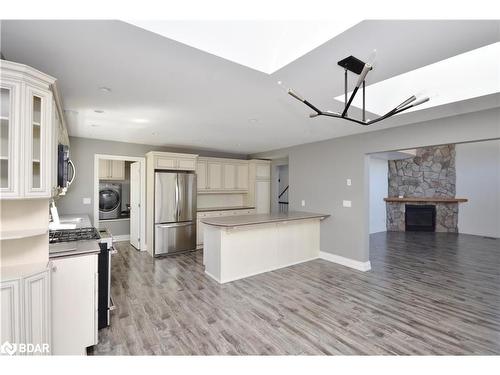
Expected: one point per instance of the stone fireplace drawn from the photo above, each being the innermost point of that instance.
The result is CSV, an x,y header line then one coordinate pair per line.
x,y
427,179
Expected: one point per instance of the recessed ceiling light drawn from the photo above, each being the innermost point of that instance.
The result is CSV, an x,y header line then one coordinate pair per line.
x,y
98,111
104,89
140,120
253,120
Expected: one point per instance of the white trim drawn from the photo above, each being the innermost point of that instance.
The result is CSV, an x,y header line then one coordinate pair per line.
x,y
122,237
357,265
139,159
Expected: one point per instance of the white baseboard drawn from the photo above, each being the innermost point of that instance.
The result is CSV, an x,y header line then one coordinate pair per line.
x,y
123,237
357,265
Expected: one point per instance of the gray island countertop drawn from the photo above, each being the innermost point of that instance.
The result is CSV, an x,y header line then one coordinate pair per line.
x,y
242,220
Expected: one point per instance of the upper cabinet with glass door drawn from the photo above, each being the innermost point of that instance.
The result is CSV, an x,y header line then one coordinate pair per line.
x,y
28,130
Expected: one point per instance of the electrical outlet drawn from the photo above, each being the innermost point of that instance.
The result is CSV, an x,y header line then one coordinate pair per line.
x,y
346,203
348,181
303,203
87,201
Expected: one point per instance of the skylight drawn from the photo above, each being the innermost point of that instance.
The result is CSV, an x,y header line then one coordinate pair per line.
x,y
468,75
262,44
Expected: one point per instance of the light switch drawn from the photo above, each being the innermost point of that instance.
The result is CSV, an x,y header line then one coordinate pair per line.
x,y
303,203
86,201
346,203
348,181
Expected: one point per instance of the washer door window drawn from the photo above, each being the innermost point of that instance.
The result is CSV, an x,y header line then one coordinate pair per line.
x,y
108,200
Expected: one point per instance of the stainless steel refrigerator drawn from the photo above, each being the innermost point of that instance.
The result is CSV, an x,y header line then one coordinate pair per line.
x,y
175,212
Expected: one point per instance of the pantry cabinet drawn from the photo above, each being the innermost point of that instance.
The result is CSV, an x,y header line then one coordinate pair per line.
x,y
28,132
259,192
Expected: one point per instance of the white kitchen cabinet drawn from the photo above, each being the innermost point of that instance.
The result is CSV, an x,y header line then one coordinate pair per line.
x,y
263,197
170,160
259,192
111,170
25,307
11,311
201,174
242,177
74,304
229,173
37,309
217,175
186,164
10,137
28,130
214,175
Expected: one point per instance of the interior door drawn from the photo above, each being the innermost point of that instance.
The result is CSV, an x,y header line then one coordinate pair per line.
x,y
135,204
186,183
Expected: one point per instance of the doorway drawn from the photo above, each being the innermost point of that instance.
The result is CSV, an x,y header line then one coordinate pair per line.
x,y
280,190
119,197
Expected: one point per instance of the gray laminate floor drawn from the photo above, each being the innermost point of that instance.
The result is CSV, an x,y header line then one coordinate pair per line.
x,y
427,293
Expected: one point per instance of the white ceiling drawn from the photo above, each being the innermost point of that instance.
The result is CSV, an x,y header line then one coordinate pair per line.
x,y
262,45
167,93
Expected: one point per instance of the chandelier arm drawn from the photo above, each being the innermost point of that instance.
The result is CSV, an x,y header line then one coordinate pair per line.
x,y
318,111
293,94
383,117
328,114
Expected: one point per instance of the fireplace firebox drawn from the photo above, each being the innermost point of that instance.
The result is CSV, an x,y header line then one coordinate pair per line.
x,y
420,218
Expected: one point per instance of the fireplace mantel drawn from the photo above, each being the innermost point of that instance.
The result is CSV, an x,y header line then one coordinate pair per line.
x,y
425,200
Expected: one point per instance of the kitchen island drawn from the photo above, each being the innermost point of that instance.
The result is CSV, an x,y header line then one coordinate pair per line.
x,y
236,247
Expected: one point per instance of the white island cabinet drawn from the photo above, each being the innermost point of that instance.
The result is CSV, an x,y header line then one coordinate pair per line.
x,y
241,246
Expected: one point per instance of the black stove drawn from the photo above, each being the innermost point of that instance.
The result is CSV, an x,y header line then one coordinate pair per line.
x,y
66,235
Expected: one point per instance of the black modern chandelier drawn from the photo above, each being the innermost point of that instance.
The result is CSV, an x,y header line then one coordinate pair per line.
x,y
360,68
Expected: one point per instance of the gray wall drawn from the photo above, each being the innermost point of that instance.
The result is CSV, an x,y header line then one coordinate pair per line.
x,y
478,179
318,173
82,153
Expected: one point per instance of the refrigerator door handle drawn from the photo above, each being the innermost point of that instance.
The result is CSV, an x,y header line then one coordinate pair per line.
x,y
173,225
177,193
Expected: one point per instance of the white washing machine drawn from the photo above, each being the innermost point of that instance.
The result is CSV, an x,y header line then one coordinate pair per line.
x,y
110,200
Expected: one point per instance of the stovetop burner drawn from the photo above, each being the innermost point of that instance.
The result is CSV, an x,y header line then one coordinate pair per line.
x,y
66,235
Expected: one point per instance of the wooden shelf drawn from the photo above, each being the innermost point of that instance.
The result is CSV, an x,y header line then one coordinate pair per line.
x,y
22,233
426,200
